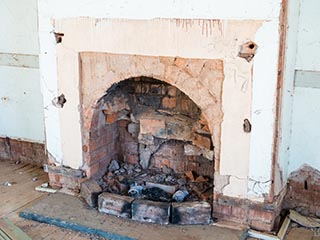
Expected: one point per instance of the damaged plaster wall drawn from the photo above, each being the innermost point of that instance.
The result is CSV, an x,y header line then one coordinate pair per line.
x,y
306,109
250,158
20,94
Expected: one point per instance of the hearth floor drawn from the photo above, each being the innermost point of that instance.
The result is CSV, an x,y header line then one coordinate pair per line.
x,y
71,212
21,195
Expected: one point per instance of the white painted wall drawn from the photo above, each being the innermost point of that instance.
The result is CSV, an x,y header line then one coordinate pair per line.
x,y
19,26
257,160
21,111
306,108
309,36
305,128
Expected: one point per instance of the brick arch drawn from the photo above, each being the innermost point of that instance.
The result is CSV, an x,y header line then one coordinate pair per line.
x,y
201,80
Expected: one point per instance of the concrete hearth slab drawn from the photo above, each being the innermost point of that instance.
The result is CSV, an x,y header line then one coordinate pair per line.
x,y
73,213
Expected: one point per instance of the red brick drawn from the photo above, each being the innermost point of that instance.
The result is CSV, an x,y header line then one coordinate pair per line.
x,y
156,89
94,123
202,141
103,164
261,215
192,166
54,180
70,183
123,123
314,186
93,170
261,226
191,213
131,147
90,190
185,105
169,103
97,155
222,209
151,126
239,213
131,158
296,184
111,118
115,204
101,141
172,91
149,211
180,167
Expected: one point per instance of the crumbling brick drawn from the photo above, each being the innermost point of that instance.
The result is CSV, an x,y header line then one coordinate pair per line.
x,y
89,191
152,212
191,213
115,204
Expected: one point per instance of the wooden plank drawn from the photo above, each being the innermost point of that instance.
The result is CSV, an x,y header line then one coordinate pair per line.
x,y
21,193
12,231
261,235
284,227
15,198
308,222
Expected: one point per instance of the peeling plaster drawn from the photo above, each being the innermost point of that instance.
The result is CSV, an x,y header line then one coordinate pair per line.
x,y
257,190
220,182
236,187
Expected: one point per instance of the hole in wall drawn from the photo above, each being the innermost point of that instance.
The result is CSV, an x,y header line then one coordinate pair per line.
x,y
246,126
59,101
251,46
58,36
248,50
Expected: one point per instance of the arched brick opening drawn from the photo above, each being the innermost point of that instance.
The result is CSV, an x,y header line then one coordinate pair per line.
x,y
200,79
147,122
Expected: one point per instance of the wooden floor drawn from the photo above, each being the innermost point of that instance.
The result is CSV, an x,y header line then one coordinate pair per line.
x,y
24,178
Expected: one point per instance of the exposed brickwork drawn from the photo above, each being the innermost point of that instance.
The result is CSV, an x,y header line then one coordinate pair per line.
x,y
152,212
303,191
172,155
18,150
146,111
60,181
115,204
191,213
159,95
89,191
259,216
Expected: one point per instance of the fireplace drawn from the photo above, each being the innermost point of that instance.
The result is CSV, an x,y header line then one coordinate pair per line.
x,y
148,136
152,124
224,69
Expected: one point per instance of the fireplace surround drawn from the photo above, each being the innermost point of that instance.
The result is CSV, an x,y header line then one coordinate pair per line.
x,y
199,57
153,114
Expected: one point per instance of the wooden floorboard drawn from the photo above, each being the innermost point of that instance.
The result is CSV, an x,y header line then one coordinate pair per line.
x,y
22,194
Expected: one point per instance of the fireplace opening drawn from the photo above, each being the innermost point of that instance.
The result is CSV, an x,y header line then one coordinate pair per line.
x,y
152,143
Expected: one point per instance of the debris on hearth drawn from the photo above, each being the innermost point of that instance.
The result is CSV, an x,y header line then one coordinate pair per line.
x,y
163,185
